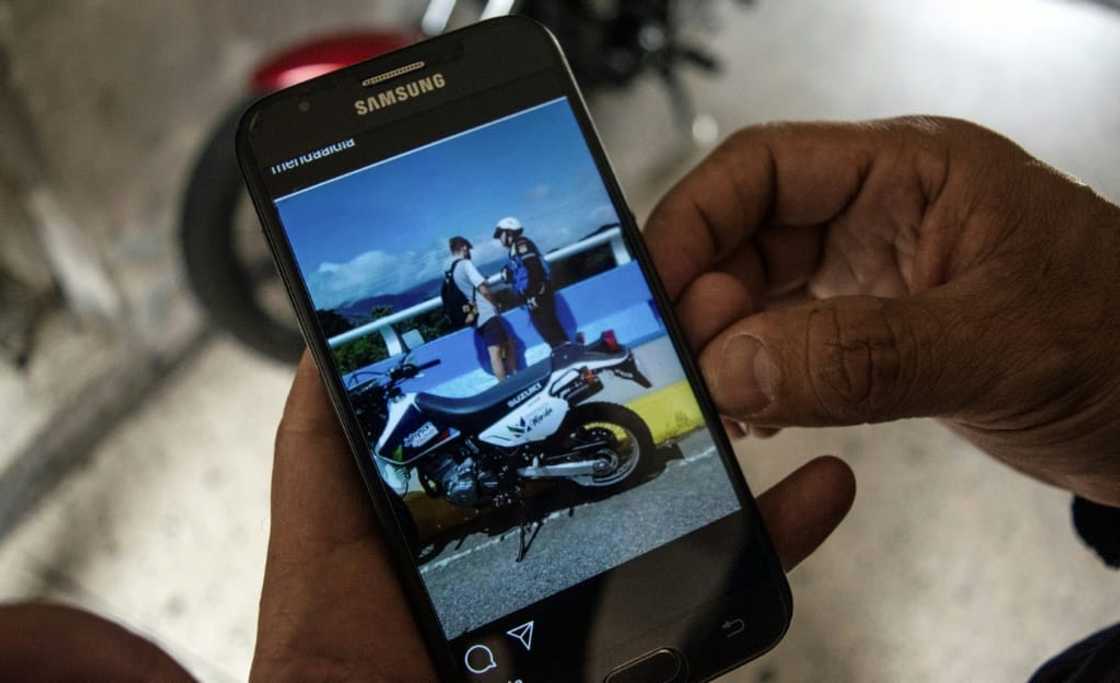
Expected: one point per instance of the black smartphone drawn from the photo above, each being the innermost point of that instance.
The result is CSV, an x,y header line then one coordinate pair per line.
x,y
550,474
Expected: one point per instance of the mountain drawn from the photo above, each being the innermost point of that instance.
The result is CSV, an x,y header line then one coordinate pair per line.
x,y
358,311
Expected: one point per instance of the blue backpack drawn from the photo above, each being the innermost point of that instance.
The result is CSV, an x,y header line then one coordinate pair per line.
x,y
520,273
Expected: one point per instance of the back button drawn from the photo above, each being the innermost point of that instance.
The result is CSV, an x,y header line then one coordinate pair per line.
x,y
659,666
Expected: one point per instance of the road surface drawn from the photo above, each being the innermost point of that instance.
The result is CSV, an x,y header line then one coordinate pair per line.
x,y
477,580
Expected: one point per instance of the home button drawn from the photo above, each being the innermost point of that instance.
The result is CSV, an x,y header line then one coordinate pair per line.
x,y
659,666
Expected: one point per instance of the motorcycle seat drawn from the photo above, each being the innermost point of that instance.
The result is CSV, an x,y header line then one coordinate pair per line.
x,y
496,397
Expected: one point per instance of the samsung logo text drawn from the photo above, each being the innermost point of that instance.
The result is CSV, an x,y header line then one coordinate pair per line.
x,y
401,93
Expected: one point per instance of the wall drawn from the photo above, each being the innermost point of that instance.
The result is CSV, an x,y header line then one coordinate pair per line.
x,y
618,300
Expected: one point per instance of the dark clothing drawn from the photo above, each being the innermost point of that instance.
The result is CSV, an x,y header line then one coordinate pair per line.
x,y
1099,526
543,316
493,332
1097,658
526,261
531,282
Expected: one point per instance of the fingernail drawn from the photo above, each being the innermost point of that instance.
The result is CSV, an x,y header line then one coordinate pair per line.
x,y
747,376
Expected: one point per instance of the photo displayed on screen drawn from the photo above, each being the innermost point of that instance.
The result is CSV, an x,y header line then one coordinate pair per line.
x,y
506,360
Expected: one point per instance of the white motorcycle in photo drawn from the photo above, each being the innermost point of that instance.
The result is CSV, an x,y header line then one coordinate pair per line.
x,y
537,425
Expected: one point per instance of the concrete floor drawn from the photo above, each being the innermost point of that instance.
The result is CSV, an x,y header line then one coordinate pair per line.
x,y
950,568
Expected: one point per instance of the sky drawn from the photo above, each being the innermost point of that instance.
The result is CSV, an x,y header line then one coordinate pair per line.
x,y
384,229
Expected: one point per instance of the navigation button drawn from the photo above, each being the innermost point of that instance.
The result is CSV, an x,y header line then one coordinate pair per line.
x,y
479,659
523,634
660,666
732,627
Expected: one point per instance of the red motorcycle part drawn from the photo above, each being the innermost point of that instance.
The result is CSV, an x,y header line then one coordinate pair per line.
x,y
307,60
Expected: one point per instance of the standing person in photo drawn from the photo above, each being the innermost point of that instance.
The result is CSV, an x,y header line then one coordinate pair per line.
x,y
528,272
487,321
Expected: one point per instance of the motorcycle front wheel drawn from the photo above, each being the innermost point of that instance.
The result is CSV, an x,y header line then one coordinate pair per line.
x,y
630,453
228,264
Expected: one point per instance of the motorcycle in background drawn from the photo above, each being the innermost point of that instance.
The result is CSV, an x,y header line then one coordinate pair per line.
x,y
609,43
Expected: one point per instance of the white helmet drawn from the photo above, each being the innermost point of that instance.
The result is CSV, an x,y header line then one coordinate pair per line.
x,y
508,224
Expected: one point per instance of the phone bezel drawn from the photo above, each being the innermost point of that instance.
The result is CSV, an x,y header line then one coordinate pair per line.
x,y
540,44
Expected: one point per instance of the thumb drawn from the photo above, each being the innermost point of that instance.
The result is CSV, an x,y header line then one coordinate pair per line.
x,y
845,360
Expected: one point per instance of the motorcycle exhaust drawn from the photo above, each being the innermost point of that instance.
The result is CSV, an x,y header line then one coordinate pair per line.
x,y
566,470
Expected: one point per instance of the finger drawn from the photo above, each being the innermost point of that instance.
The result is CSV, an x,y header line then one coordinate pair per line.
x,y
795,175
777,262
328,570
34,635
308,409
708,305
317,493
745,264
791,256
763,432
850,360
804,508
733,428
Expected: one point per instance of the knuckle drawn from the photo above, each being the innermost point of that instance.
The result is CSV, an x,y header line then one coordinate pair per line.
x,y
856,360
751,136
930,126
733,146
941,127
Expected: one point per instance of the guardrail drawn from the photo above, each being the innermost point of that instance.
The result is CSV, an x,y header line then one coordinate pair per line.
x,y
392,339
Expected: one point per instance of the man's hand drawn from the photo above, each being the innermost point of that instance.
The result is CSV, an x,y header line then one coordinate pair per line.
x,y
904,268
331,607
45,642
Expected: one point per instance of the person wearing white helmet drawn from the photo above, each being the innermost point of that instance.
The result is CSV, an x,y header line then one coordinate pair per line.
x,y
527,271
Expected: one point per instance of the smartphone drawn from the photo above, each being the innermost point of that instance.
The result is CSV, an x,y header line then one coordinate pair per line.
x,y
555,486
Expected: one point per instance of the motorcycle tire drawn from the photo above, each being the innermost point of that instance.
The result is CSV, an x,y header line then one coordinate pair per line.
x,y
226,287
628,421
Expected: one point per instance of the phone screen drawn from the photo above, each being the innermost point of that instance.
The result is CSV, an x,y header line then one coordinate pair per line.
x,y
518,388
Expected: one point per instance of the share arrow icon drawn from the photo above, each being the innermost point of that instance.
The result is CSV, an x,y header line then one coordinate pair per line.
x,y
523,633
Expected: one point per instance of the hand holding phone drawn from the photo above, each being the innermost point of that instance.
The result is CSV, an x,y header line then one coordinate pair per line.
x,y
331,603
560,462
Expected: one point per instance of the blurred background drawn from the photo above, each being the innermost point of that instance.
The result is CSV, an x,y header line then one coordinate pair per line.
x,y
138,423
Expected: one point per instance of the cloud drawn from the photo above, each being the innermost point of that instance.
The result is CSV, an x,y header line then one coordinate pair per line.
x,y
539,192
487,250
603,214
377,272
371,273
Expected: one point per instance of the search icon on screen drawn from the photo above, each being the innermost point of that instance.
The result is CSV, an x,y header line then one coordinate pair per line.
x,y
479,659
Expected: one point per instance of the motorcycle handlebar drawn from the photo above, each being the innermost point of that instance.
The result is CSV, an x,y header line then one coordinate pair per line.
x,y
409,370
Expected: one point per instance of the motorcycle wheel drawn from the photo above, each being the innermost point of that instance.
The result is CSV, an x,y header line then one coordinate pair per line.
x,y
228,264
632,442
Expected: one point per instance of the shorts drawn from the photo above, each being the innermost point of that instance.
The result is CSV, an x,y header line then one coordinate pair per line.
x,y
493,332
